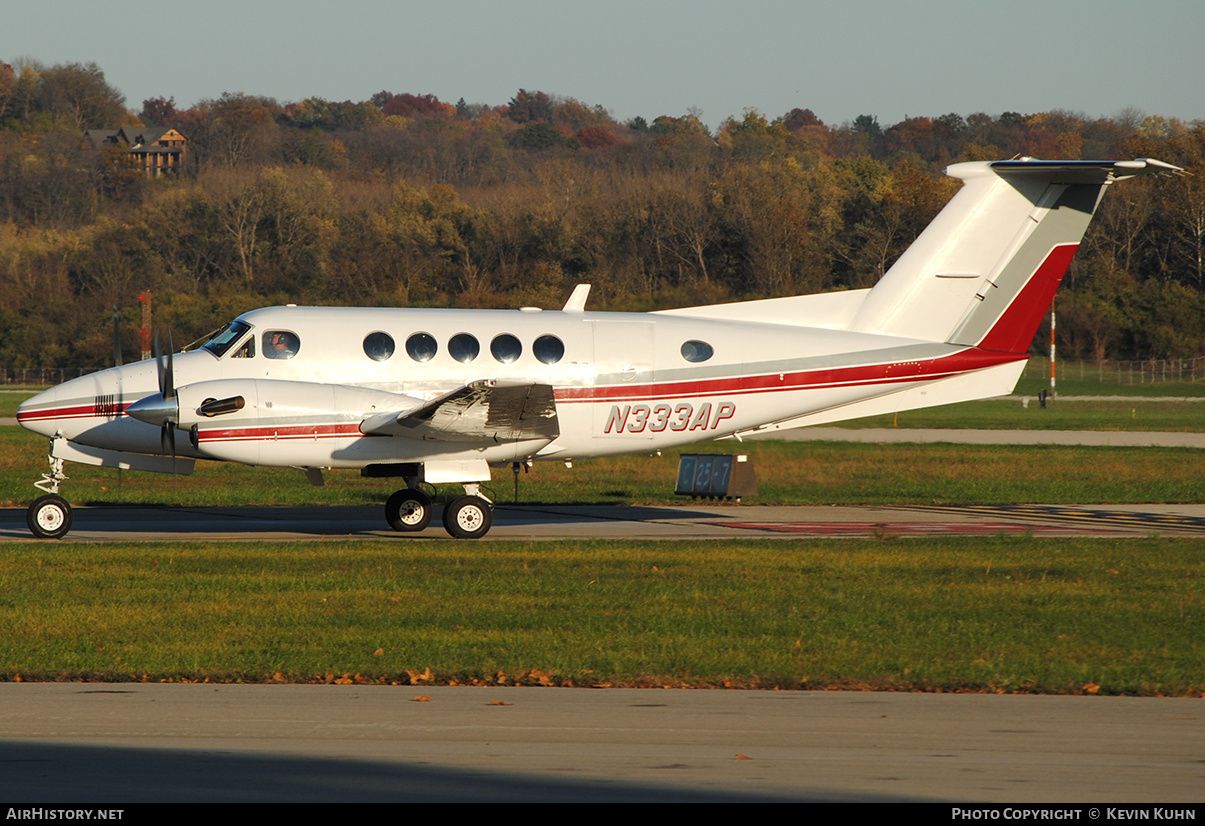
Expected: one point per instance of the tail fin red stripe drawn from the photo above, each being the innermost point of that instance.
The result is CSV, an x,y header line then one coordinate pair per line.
x,y
1015,329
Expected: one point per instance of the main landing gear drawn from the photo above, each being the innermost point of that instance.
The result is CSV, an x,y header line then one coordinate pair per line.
x,y
49,517
466,517
408,510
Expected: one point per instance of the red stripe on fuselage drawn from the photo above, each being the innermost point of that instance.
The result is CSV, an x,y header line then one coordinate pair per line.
x,y
290,433
80,411
893,372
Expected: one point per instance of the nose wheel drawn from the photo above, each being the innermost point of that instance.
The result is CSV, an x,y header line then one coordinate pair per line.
x,y
49,517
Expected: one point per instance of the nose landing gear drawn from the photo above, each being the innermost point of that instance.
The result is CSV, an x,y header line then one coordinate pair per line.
x,y
49,517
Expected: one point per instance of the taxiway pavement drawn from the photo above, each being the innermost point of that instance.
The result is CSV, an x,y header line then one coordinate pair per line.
x,y
125,743
126,523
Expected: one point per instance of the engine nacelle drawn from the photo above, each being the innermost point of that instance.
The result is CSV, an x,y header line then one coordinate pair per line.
x,y
272,422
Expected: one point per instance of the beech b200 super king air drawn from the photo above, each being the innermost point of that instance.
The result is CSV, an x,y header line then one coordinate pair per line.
x,y
439,396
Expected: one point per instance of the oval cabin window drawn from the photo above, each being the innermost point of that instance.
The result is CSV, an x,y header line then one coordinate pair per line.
x,y
549,349
463,347
696,351
378,346
421,347
506,348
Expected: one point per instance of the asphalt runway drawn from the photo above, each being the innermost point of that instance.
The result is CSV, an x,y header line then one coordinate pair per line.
x,y
695,520
127,743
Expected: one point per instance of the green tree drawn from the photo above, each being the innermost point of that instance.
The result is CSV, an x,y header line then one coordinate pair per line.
x,y
79,95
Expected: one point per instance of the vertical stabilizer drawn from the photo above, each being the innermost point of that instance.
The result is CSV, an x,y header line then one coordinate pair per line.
x,y
984,272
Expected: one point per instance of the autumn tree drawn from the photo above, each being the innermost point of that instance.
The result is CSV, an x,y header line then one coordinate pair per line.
x,y
159,112
234,129
79,95
526,107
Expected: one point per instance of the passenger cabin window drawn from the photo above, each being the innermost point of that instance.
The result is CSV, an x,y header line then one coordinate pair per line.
x,y
696,351
247,351
224,339
378,346
549,349
280,344
506,348
421,347
463,347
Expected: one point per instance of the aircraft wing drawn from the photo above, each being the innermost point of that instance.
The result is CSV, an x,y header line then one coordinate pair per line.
x,y
487,410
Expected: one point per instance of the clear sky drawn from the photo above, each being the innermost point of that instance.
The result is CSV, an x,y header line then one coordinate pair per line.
x,y
645,57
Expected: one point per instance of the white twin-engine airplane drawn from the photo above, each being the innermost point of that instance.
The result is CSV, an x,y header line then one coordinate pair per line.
x,y
439,396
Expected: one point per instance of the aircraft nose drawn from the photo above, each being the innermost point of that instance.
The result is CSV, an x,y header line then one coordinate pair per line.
x,y
42,414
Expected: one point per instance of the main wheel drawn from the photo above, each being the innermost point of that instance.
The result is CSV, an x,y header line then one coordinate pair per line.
x,y
408,510
468,517
49,517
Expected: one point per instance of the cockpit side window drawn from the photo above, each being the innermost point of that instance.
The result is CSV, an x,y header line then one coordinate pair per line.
x,y
224,339
280,344
247,351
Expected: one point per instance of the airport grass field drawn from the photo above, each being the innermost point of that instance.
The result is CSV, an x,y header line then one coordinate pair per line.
x,y
994,615
990,614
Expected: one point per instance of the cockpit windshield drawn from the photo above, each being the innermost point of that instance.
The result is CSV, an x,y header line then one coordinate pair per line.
x,y
225,338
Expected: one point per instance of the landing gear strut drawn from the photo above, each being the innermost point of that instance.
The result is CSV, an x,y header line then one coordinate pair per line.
x,y
49,517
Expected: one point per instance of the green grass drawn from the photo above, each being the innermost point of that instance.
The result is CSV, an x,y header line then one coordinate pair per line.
x,y
1009,414
994,614
1088,379
10,398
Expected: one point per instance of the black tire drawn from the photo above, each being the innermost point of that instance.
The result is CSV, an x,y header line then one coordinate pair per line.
x,y
408,510
49,517
468,517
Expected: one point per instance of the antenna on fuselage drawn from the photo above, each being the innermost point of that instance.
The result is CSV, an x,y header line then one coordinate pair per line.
x,y
577,299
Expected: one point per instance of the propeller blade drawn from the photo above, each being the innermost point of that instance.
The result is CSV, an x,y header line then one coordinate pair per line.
x,y
166,409
158,352
168,386
116,338
167,379
167,438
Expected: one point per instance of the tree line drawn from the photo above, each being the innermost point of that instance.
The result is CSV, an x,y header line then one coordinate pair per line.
x,y
406,200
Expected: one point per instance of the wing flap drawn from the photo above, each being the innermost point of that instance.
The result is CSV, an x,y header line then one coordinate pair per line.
x,y
481,411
